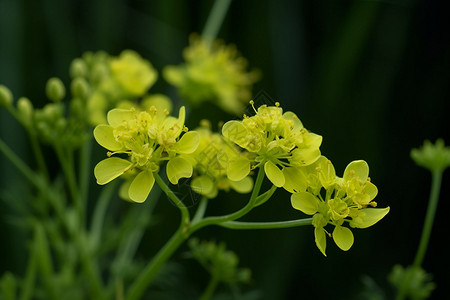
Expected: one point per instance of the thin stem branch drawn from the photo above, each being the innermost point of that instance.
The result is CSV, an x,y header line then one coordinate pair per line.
x,y
201,209
100,212
84,174
266,225
436,179
140,285
184,211
19,164
215,20
237,214
210,288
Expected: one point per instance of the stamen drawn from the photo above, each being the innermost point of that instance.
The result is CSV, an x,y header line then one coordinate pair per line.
x,y
252,103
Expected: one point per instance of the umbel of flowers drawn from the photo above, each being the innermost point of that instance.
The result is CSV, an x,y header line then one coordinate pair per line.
x,y
211,159
146,139
347,200
215,73
291,159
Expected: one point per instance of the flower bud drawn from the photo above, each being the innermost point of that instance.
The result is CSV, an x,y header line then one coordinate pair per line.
x,y
6,96
55,89
25,110
79,88
99,73
78,68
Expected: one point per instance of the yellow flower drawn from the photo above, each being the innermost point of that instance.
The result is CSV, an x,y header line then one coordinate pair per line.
x,y
216,74
147,138
108,80
278,141
347,199
210,165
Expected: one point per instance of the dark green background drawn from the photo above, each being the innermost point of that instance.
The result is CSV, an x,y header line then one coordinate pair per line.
x,y
372,77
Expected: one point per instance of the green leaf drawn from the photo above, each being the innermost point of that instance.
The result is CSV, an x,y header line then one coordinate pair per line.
x,y
111,168
178,167
343,237
274,174
104,135
305,202
141,186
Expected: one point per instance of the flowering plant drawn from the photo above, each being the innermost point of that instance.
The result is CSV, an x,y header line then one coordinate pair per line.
x,y
110,102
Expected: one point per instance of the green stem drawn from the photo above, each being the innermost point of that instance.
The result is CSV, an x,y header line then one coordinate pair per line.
x,y
145,278
215,20
236,215
266,225
100,212
89,267
209,291
84,174
436,180
201,209
45,261
139,286
19,164
34,142
66,161
38,155
184,211
184,231
30,276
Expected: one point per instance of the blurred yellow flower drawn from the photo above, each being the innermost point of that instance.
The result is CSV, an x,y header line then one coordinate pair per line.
x,y
216,74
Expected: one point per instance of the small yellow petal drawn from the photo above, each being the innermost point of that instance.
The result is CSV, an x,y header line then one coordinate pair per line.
x,y
141,186
343,237
111,168
274,174
178,167
238,168
320,239
305,202
104,136
188,143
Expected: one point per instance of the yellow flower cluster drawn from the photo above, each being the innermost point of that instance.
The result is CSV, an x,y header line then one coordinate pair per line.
x,y
111,80
347,199
210,164
212,73
291,159
147,138
275,140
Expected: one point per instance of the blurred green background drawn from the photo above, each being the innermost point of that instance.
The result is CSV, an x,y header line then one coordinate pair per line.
x,y
372,77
